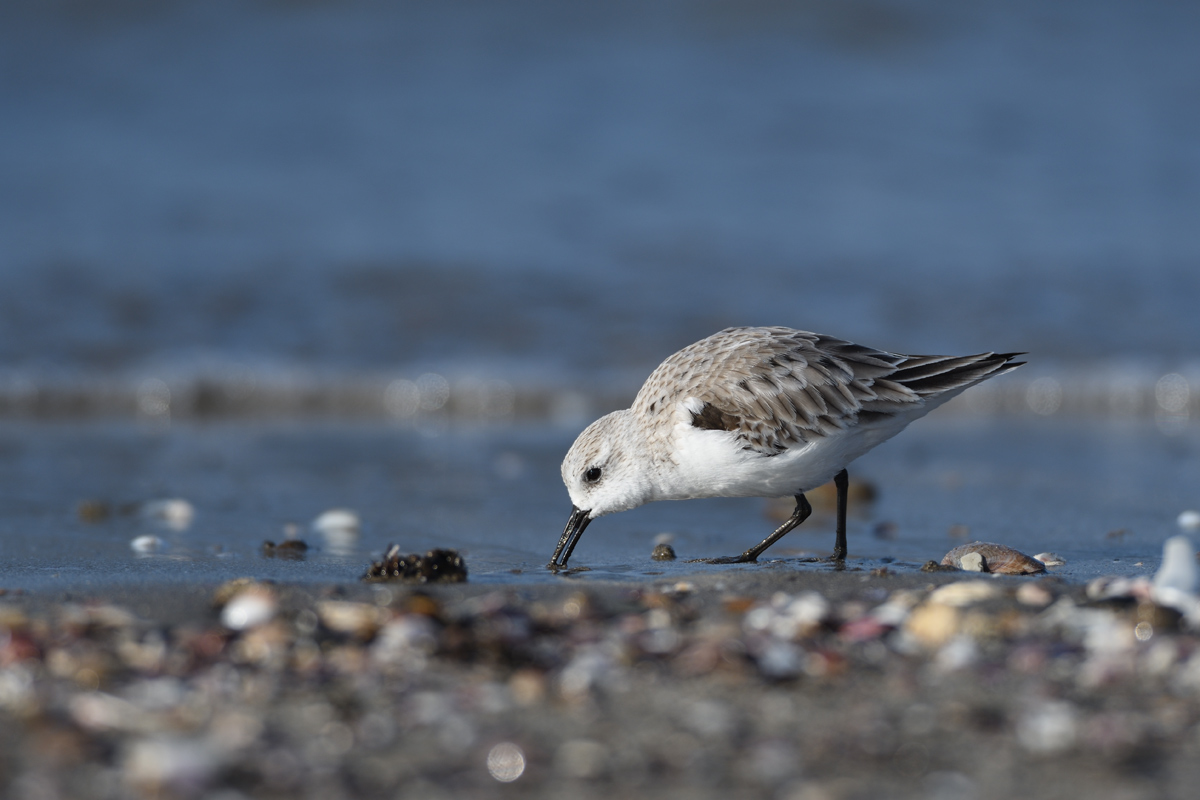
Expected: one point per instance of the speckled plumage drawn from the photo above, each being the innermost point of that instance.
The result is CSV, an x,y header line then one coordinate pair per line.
x,y
756,412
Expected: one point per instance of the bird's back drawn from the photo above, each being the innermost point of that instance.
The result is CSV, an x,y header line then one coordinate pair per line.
x,y
777,387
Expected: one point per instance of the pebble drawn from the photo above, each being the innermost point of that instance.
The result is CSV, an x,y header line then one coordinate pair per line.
x,y
663,552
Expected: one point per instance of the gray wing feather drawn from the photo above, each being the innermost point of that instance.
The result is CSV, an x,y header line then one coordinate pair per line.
x,y
775,387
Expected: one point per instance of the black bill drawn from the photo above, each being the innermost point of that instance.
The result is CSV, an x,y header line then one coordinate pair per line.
x,y
566,545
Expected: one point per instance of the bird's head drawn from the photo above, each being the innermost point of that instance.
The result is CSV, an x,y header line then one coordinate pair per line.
x,y
603,474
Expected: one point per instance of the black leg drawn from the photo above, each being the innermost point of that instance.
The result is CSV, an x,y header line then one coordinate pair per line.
x,y
840,481
802,512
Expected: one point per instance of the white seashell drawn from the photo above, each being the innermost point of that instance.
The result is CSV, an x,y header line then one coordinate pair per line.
x,y
1178,570
173,513
1051,559
339,528
147,544
1176,581
336,519
249,608
1189,520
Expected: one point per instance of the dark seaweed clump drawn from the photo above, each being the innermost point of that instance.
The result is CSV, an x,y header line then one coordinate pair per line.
x,y
445,566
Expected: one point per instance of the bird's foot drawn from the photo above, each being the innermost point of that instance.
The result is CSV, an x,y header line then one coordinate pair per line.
x,y
563,569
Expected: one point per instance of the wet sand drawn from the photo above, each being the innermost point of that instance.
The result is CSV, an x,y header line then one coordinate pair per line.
x,y
778,680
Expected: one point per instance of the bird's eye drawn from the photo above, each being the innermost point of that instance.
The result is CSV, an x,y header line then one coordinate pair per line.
x,y
592,475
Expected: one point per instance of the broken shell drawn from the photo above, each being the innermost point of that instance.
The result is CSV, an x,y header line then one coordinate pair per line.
x,y
995,558
1051,559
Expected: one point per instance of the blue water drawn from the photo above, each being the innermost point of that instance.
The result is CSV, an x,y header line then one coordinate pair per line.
x,y
551,192
439,238
494,493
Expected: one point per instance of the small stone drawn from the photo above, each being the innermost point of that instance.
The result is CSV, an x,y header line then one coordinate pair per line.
x,y
289,549
93,511
663,552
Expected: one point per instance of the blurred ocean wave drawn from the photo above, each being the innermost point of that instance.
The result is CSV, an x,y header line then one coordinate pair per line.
x,y
1130,392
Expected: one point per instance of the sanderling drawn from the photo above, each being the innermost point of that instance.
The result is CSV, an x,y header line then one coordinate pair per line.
x,y
756,412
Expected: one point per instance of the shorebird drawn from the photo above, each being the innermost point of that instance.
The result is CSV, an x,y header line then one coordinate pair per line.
x,y
756,412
